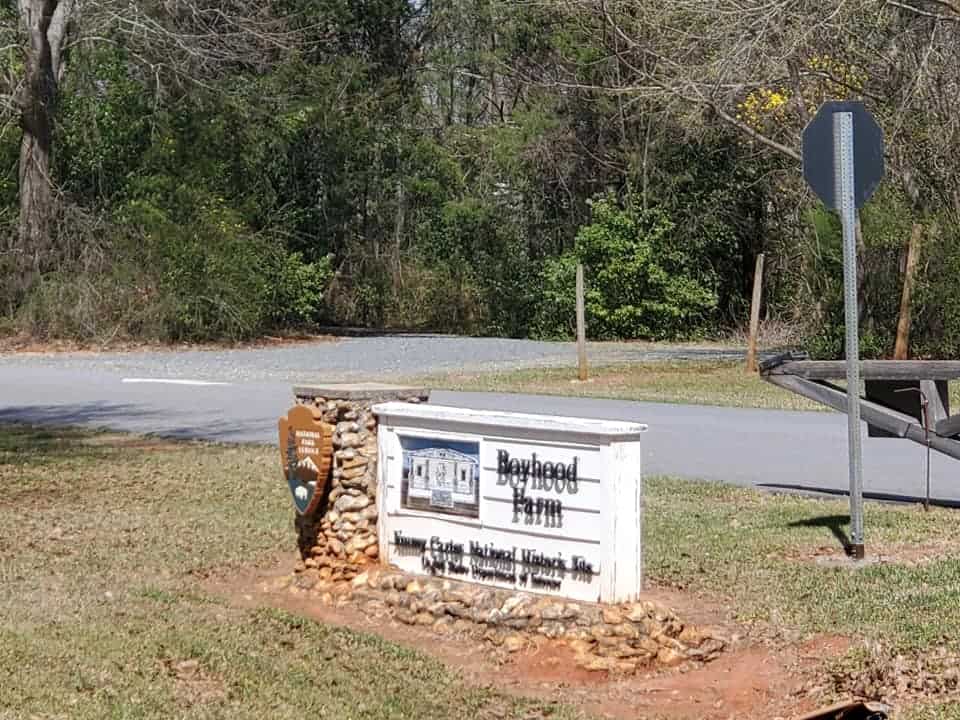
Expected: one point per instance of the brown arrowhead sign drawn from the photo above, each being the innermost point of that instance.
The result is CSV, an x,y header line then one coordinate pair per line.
x,y
306,452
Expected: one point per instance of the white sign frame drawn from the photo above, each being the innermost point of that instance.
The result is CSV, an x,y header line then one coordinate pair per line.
x,y
592,526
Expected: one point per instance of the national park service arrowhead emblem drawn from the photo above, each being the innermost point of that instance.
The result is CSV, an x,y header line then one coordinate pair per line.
x,y
306,452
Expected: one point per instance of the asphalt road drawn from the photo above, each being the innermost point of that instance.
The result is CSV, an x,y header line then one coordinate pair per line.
x,y
252,388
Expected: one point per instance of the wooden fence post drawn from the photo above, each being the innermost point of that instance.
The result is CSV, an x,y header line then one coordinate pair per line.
x,y
581,326
755,315
902,347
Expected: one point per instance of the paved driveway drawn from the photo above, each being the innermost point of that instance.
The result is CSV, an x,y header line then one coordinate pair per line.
x,y
250,389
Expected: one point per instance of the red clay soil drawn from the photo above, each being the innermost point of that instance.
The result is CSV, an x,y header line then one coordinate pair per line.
x,y
751,681
27,345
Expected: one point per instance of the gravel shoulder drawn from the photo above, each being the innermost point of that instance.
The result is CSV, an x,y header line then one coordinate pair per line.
x,y
385,358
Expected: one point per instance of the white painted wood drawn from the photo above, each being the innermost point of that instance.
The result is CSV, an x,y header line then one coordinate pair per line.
x,y
506,423
589,494
573,524
587,455
627,520
600,524
580,587
385,494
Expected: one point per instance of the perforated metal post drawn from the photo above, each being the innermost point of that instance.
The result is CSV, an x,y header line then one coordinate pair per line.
x,y
844,187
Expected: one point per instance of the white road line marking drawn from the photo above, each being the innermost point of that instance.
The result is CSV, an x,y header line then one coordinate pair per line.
x,y
169,381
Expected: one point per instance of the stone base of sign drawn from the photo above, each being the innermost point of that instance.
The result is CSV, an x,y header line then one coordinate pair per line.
x,y
623,638
341,537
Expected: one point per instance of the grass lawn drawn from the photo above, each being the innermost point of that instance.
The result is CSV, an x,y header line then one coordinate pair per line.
x,y
702,383
102,549
104,540
777,559
687,382
758,553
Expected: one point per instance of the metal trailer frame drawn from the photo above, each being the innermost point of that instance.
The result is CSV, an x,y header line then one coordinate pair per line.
x,y
933,427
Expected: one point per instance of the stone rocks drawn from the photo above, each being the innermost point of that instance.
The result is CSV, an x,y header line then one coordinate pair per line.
x,y
670,657
625,630
517,606
514,643
611,616
359,543
346,503
346,531
618,639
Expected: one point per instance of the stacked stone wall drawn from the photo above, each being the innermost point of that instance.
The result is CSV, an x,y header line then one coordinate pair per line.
x,y
624,638
340,539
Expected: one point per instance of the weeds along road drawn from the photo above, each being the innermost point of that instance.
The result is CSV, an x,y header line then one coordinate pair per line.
x,y
237,396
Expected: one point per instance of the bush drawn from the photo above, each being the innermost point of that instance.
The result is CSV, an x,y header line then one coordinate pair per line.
x,y
300,288
437,300
556,313
475,253
936,317
144,276
887,222
637,286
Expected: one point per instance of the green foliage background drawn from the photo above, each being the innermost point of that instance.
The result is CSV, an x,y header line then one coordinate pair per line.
x,y
402,173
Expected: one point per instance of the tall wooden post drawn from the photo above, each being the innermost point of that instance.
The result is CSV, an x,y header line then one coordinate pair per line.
x,y
581,326
902,347
755,315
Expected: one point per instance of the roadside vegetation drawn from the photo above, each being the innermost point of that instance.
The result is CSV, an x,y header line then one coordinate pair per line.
x,y
723,384
199,171
778,562
107,541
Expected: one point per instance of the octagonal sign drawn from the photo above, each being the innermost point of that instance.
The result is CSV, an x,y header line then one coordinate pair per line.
x,y
818,153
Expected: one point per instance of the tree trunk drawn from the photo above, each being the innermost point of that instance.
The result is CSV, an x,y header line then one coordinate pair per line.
x,y
36,199
901,350
45,23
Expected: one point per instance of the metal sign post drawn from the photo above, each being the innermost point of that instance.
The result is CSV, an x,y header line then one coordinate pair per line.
x,y
844,188
843,163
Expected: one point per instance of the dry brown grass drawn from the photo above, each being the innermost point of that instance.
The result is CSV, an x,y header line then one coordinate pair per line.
x,y
104,544
702,383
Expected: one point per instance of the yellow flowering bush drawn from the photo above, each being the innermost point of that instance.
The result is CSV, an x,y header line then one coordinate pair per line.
x,y
762,106
823,78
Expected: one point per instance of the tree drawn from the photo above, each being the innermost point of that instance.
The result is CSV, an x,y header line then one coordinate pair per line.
x,y
186,43
44,23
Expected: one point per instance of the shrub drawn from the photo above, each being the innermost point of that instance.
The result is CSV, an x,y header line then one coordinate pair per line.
x,y
638,285
300,288
556,312
145,276
936,317
886,224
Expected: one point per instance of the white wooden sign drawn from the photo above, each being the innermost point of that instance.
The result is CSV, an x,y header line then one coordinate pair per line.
x,y
531,502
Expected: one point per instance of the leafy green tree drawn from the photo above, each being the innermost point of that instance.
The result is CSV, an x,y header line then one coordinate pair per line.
x,y
638,284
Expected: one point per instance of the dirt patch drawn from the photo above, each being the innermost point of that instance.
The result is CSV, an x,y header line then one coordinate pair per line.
x,y
132,442
906,554
753,680
194,685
